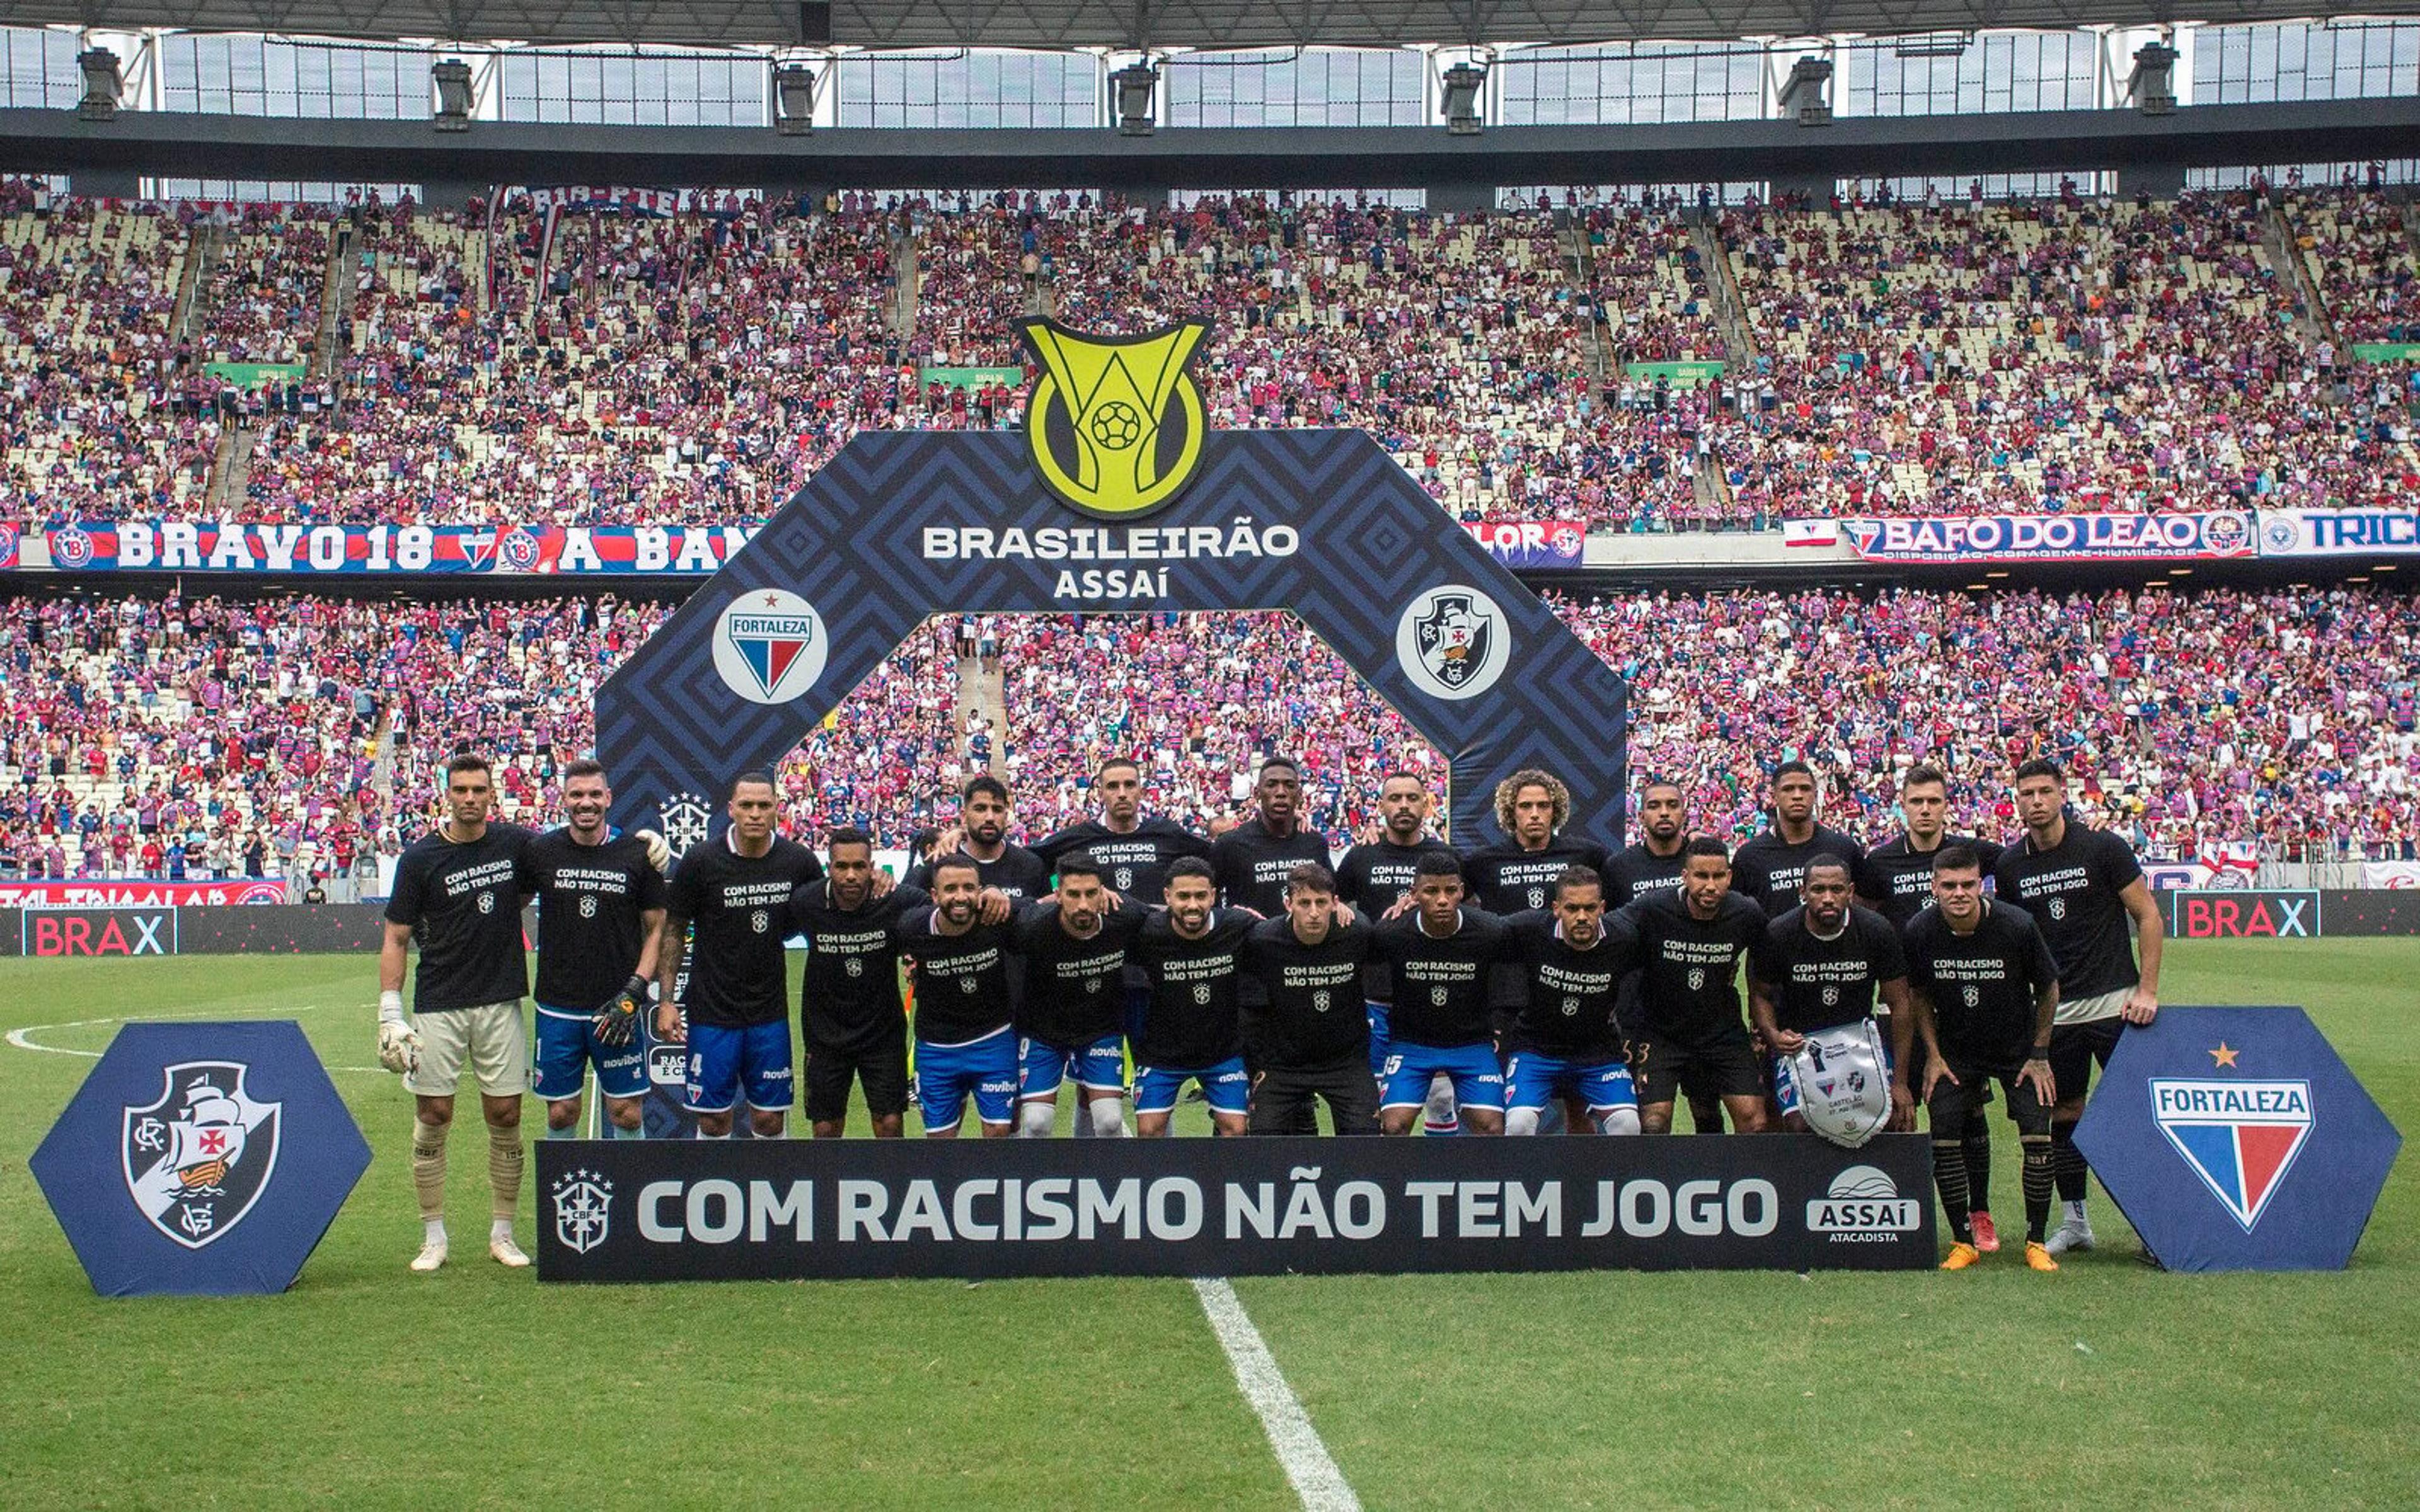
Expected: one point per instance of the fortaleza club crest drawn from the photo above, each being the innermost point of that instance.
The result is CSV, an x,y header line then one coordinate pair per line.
x,y
1453,642
197,1159
2240,1137
1115,422
769,645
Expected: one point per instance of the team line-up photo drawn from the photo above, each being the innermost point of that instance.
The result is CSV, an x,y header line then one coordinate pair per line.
x,y
1533,985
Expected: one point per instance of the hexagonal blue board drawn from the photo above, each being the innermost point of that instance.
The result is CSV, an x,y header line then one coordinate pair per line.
x,y
2237,1139
200,1159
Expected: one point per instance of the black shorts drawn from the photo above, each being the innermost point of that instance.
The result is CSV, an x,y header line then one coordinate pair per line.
x,y
1287,1101
1952,1104
880,1063
1722,1064
2075,1048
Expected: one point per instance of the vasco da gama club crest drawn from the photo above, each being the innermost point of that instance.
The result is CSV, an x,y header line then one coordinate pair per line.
x,y
198,1159
1115,422
1457,639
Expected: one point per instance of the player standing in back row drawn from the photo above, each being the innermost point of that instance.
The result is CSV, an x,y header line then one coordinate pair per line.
x,y
2080,884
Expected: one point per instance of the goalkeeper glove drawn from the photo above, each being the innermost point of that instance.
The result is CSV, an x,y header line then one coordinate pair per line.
x,y
660,853
398,1043
618,1018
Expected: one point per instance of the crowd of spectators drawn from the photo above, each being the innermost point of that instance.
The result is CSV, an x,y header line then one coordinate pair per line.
x,y
296,737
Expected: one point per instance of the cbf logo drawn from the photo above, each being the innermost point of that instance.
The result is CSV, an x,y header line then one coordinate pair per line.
x,y
1115,423
196,1160
683,818
770,646
2240,1137
583,1209
1453,642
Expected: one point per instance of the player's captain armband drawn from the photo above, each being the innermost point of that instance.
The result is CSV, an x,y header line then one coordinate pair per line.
x,y
1843,1082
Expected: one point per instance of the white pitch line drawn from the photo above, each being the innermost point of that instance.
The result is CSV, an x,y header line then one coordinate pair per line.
x,y
24,1039
1299,1449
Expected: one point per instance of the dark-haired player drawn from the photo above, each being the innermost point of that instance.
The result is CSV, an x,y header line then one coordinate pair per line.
x,y
1070,1022
1191,953
1252,860
852,1020
1439,956
1652,865
1897,883
1980,970
1769,868
1688,1031
1375,879
735,895
2081,885
600,917
1132,848
1565,1041
457,896
983,839
966,1044
1820,966
1310,964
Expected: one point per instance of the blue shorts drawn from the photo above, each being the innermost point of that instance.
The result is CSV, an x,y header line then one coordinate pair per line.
x,y
1379,1038
1478,1080
1226,1084
1099,1067
727,1065
1531,1079
567,1046
948,1074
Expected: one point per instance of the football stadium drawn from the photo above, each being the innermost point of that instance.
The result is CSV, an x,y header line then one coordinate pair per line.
x,y
1234,753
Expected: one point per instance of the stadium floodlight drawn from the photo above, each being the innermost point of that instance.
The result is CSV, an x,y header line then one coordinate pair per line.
x,y
793,99
1459,102
103,85
455,95
2153,85
1136,84
1806,95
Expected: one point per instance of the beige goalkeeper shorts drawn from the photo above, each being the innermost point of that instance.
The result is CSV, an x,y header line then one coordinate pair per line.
x,y
490,1039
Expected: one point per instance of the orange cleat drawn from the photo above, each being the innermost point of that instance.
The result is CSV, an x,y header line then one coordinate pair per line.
x,y
1987,1239
2038,1255
1961,1255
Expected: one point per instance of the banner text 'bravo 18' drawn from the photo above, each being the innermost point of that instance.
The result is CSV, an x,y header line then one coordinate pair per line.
x,y
1115,422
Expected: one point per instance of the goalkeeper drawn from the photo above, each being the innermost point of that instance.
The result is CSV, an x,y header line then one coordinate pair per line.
x,y
600,901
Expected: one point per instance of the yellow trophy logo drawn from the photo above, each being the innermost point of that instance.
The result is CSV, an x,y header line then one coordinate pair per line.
x,y
1115,422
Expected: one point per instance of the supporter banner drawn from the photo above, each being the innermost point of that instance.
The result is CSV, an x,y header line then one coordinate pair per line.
x,y
1531,543
2396,875
973,377
2237,1139
832,1209
96,931
584,198
137,892
2386,351
8,546
200,1159
101,545
1824,533
2055,537
253,375
2340,532
1680,375
2245,914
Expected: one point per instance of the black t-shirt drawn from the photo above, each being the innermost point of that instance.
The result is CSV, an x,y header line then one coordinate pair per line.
x,y
1569,1010
1192,1018
1252,864
590,898
1440,984
1314,1018
1688,968
738,909
964,988
1983,985
1374,877
1768,870
1506,879
1819,984
1636,870
464,905
1075,990
1134,862
1896,879
2072,892
1015,870
848,993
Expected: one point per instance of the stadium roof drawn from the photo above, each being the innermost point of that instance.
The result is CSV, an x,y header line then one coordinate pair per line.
x,y
1126,24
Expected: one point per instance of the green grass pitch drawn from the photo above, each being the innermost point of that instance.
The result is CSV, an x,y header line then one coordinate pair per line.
x,y
2108,1384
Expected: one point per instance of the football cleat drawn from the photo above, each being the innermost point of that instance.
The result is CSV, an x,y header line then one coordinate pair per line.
x,y
508,1253
2072,1235
1961,1255
2038,1255
1987,1239
432,1256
